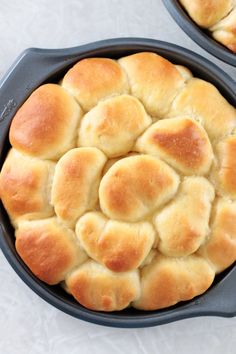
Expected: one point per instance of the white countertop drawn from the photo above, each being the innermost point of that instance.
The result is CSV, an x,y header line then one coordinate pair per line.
x,y
28,325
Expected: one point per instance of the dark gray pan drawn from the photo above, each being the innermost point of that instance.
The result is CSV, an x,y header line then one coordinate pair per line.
x,y
36,66
199,35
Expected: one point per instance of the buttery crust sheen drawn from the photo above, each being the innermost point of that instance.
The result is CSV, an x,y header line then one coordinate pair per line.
x,y
114,125
76,182
154,80
151,184
98,288
160,281
25,186
207,12
183,224
106,241
202,101
224,169
220,248
129,200
46,124
181,142
49,249
93,79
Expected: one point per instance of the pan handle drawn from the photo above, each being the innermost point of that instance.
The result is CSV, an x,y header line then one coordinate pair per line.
x,y
218,301
221,300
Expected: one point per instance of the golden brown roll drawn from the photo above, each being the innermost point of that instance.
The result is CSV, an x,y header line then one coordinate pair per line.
x,y
154,80
223,173
225,31
93,79
203,102
117,245
220,247
135,186
49,249
166,281
113,125
76,182
46,124
182,225
181,142
100,289
25,186
207,12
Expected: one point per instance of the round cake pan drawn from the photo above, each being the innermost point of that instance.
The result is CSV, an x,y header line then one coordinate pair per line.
x,y
199,35
36,66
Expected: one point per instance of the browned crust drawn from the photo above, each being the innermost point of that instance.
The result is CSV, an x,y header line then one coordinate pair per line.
x,y
150,183
220,248
99,289
119,246
181,142
167,281
24,186
45,125
48,249
93,79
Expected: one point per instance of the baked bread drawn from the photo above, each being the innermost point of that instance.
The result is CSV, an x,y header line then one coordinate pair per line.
x,y
120,183
218,16
224,31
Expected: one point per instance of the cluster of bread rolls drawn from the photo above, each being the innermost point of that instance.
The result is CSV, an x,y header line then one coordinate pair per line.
x,y
121,183
218,16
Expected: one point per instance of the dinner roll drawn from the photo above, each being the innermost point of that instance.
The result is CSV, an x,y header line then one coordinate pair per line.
x,y
118,245
181,142
100,289
207,12
224,169
113,125
76,182
135,186
49,249
202,101
46,124
154,80
25,186
183,224
93,79
225,31
220,247
166,281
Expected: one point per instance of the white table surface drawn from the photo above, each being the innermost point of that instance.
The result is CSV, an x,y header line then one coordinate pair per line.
x,y
27,323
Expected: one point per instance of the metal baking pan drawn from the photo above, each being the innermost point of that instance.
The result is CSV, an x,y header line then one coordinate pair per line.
x,y
198,34
36,66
